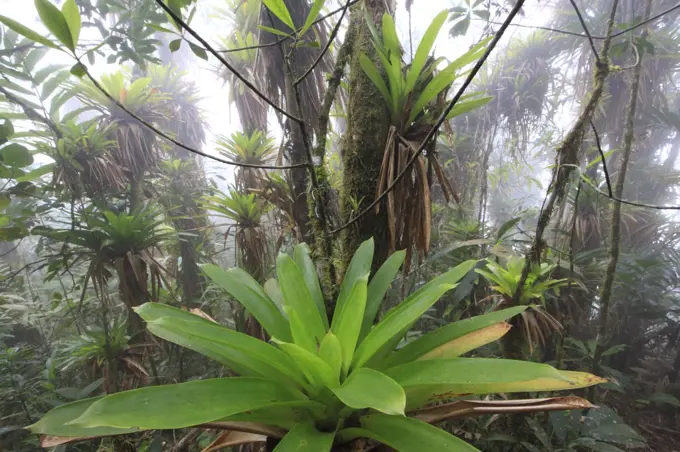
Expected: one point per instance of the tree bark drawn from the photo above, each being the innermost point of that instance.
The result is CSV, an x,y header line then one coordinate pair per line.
x,y
364,141
615,221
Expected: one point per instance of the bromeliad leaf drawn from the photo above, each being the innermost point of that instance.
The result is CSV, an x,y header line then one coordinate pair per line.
x,y
430,380
245,355
400,319
469,105
250,294
331,352
297,297
279,9
372,72
308,269
403,433
346,324
27,32
424,49
359,267
55,22
430,341
368,388
470,341
377,288
311,17
185,404
56,422
72,17
305,438
316,370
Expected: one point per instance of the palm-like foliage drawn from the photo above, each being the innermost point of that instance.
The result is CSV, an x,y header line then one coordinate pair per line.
x,y
136,149
106,352
244,16
324,382
415,95
123,243
536,324
255,149
247,212
84,160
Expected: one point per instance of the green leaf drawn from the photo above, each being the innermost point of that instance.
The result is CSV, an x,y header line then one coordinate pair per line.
x,y
358,268
461,27
441,379
347,321
297,296
27,32
311,17
274,31
52,84
438,83
377,288
36,173
185,404
245,355
161,29
399,320
198,51
368,388
407,434
305,438
15,155
273,291
175,44
278,8
79,70
306,266
5,201
430,341
55,22
331,352
72,17
56,422
372,72
390,37
505,227
462,107
250,294
316,370
40,76
424,49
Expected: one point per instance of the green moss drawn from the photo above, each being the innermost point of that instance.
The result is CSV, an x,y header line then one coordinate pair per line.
x,y
364,142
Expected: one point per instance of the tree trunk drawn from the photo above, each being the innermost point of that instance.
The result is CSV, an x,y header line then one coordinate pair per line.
x,y
368,122
615,221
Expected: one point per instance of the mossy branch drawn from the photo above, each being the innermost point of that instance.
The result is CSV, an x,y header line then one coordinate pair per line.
x,y
567,158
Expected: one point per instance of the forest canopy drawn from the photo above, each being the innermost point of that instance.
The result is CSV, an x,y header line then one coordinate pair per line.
x,y
339,225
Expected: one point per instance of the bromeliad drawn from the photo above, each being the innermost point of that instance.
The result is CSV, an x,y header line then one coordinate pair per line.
x,y
322,382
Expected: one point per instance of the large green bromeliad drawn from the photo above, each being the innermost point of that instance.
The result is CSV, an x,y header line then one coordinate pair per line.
x,y
323,383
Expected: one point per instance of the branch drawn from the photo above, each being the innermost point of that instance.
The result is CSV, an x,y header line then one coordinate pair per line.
x,y
329,96
174,141
618,199
226,64
587,32
601,38
615,221
566,159
604,161
331,38
284,38
471,75
31,113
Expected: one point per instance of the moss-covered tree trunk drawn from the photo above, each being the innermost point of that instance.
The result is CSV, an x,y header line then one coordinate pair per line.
x,y
368,122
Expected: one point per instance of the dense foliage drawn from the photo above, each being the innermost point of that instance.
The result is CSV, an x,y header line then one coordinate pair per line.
x,y
398,237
